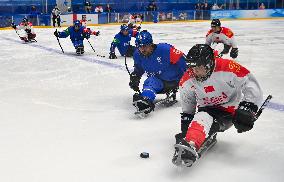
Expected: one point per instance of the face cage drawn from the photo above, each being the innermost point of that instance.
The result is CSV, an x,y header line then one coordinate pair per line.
x,y
209,67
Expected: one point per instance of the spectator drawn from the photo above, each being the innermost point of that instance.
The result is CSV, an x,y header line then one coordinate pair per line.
x,y
69,10
99,9
206,13
198,13
33,15
152,6
215,7
88,7
108,9
223,6
262,6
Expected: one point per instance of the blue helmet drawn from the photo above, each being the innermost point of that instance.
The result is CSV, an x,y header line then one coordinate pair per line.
x,y
124,27
143,38
77,23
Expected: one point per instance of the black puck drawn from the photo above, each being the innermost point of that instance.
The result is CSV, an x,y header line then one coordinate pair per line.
x,y
144,155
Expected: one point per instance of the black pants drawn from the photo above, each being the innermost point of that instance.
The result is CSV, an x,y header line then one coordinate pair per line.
x,y
169,86
222,119
56,19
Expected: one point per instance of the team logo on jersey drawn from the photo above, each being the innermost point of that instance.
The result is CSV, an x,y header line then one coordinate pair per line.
x,y
209,89
215,100
159,59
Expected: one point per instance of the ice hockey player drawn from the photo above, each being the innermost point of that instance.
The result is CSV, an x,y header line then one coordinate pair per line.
x,y
77,34
27,33
218,34
164,65
84,24
84,20
122,42
215,86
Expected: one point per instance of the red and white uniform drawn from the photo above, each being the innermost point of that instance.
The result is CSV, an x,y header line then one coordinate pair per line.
x,y
229,84
24,27
226,36
83,23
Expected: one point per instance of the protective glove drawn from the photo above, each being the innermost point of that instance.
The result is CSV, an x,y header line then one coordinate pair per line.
x,y
28,31
226,49
112,55
245,116
134,81
185,122
86,35
97,33
13,26
56,33
234,53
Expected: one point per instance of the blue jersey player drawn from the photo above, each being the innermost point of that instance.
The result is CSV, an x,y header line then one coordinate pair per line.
x,y
121,41
77,34
164,66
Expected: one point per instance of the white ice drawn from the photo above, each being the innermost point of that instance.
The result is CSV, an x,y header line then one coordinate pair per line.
x,y
68,118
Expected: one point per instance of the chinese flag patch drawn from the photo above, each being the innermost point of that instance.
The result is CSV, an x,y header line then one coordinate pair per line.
x,y
209,89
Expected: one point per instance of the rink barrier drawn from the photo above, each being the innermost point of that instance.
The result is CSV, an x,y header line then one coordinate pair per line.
x,y
163,22
161,16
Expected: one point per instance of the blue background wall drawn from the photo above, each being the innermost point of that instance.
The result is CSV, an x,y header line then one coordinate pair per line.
x,y
24,6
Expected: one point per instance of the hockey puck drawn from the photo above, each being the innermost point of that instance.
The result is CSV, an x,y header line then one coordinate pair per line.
x,y
144,155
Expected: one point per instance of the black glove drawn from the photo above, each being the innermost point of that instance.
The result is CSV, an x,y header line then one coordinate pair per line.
x,y
56,33
138,28
185,121
245,116
86,35
226,49
234,53
28,31
112,55
97,33
13,26
134,81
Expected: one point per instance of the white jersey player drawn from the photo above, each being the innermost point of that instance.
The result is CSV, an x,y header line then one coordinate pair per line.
x,y
27,32
218,34
216,93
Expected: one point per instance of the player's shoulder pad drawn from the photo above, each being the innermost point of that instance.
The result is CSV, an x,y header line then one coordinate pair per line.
x,y
186,76
175,55
209,32
227,65
228,32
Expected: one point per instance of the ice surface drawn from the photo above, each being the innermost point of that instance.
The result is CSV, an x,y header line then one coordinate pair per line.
x,y
68,118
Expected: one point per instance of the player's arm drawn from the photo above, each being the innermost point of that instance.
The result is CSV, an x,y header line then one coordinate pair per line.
x,y
208,39
188,104
136,75
63,34
252,98
113,45
178,58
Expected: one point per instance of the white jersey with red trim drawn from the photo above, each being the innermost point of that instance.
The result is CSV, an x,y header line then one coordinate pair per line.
x,y
226,36
25,27
229,84
83,23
